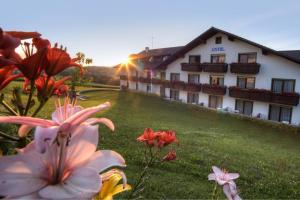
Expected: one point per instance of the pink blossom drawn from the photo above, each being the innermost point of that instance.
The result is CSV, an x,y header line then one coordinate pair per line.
x,y
226,180
62,161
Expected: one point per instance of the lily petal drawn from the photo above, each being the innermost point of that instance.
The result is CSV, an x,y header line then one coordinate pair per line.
x,y
84,114
227,192
104,159
31,121
82,146
212,177
42,136
105,121
21,174
24,130
233,175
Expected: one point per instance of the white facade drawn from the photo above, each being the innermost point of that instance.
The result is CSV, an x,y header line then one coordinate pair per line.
x,y
271,67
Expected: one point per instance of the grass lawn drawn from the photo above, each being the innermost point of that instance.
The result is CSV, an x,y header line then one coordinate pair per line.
x,y
267,158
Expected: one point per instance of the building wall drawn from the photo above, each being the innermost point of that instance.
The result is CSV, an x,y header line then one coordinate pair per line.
x,y
272,66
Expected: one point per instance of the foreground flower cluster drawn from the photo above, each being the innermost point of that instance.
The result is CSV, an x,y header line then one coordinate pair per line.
x,y
61,162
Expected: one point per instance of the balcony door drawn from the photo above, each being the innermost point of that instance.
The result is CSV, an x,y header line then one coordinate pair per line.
x,y
216,80
193,78
175,77
217,58
174,94
215,101
283,85
280,113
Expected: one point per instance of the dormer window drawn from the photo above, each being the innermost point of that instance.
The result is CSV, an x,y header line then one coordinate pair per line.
x,y
219,40
194,59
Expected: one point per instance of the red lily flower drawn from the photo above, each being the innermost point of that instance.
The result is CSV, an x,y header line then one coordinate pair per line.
x,y
165,138
23,35
58,60
32,66
52,87
40,43
171,155
149,137
6,76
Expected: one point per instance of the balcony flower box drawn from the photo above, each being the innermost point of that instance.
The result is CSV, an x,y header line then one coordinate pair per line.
x,y
192,87
123,77
191,67
290,98
165,83
215,67
144,80
244,68
133,78
237,92
260,95
177,85
214,89
156,81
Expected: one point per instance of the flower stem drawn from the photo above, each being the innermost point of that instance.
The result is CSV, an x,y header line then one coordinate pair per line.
x,y
8,136
30,97
10,109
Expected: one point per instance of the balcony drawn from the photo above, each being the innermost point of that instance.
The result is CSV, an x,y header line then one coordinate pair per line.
x,y
165,83
244,68
133,78
156,81
191,67
251,94
263,95
215,67
214,89
144,80
290,98
178,85
192,87
123,77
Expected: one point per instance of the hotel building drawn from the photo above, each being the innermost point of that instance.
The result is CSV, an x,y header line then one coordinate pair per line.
x,y
223,71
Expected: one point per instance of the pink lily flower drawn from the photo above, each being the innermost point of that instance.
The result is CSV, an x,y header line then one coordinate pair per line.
x,y
226,180
62,161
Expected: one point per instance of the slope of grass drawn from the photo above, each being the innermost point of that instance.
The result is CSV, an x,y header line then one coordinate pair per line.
x,y
267,158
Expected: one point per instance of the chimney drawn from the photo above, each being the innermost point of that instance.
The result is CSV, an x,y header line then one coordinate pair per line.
x,y
146,49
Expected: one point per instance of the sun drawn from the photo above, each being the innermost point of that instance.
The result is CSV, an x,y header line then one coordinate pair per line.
x,y
126,61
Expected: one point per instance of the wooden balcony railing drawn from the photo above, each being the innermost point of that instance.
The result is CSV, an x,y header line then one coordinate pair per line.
x,y
123,77
179,85
144,80
244,68
133,78
191,67
192,87
215,67
214,89
265,96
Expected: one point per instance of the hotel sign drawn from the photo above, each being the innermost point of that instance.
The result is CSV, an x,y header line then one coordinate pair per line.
x,y
214,49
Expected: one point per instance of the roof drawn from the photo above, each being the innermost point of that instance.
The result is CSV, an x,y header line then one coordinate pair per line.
x,y
201,39
156,52
292,53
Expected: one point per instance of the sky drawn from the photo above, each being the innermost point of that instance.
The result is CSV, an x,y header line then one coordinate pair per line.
x,y
108,31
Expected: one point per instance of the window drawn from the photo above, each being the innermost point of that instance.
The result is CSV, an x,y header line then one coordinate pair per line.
x,y
194,59
192,97
163,75
136,86
247,58
283,85
193,78
216,80
219,40
162,91
215,101
244,107
174,94
217,58
279,113
245,82
148,88
175,77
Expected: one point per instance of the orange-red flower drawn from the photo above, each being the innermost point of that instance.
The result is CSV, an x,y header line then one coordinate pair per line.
x,y
32,66
171,155
149,137
46,88
6,76
165,138
58,60
40,43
